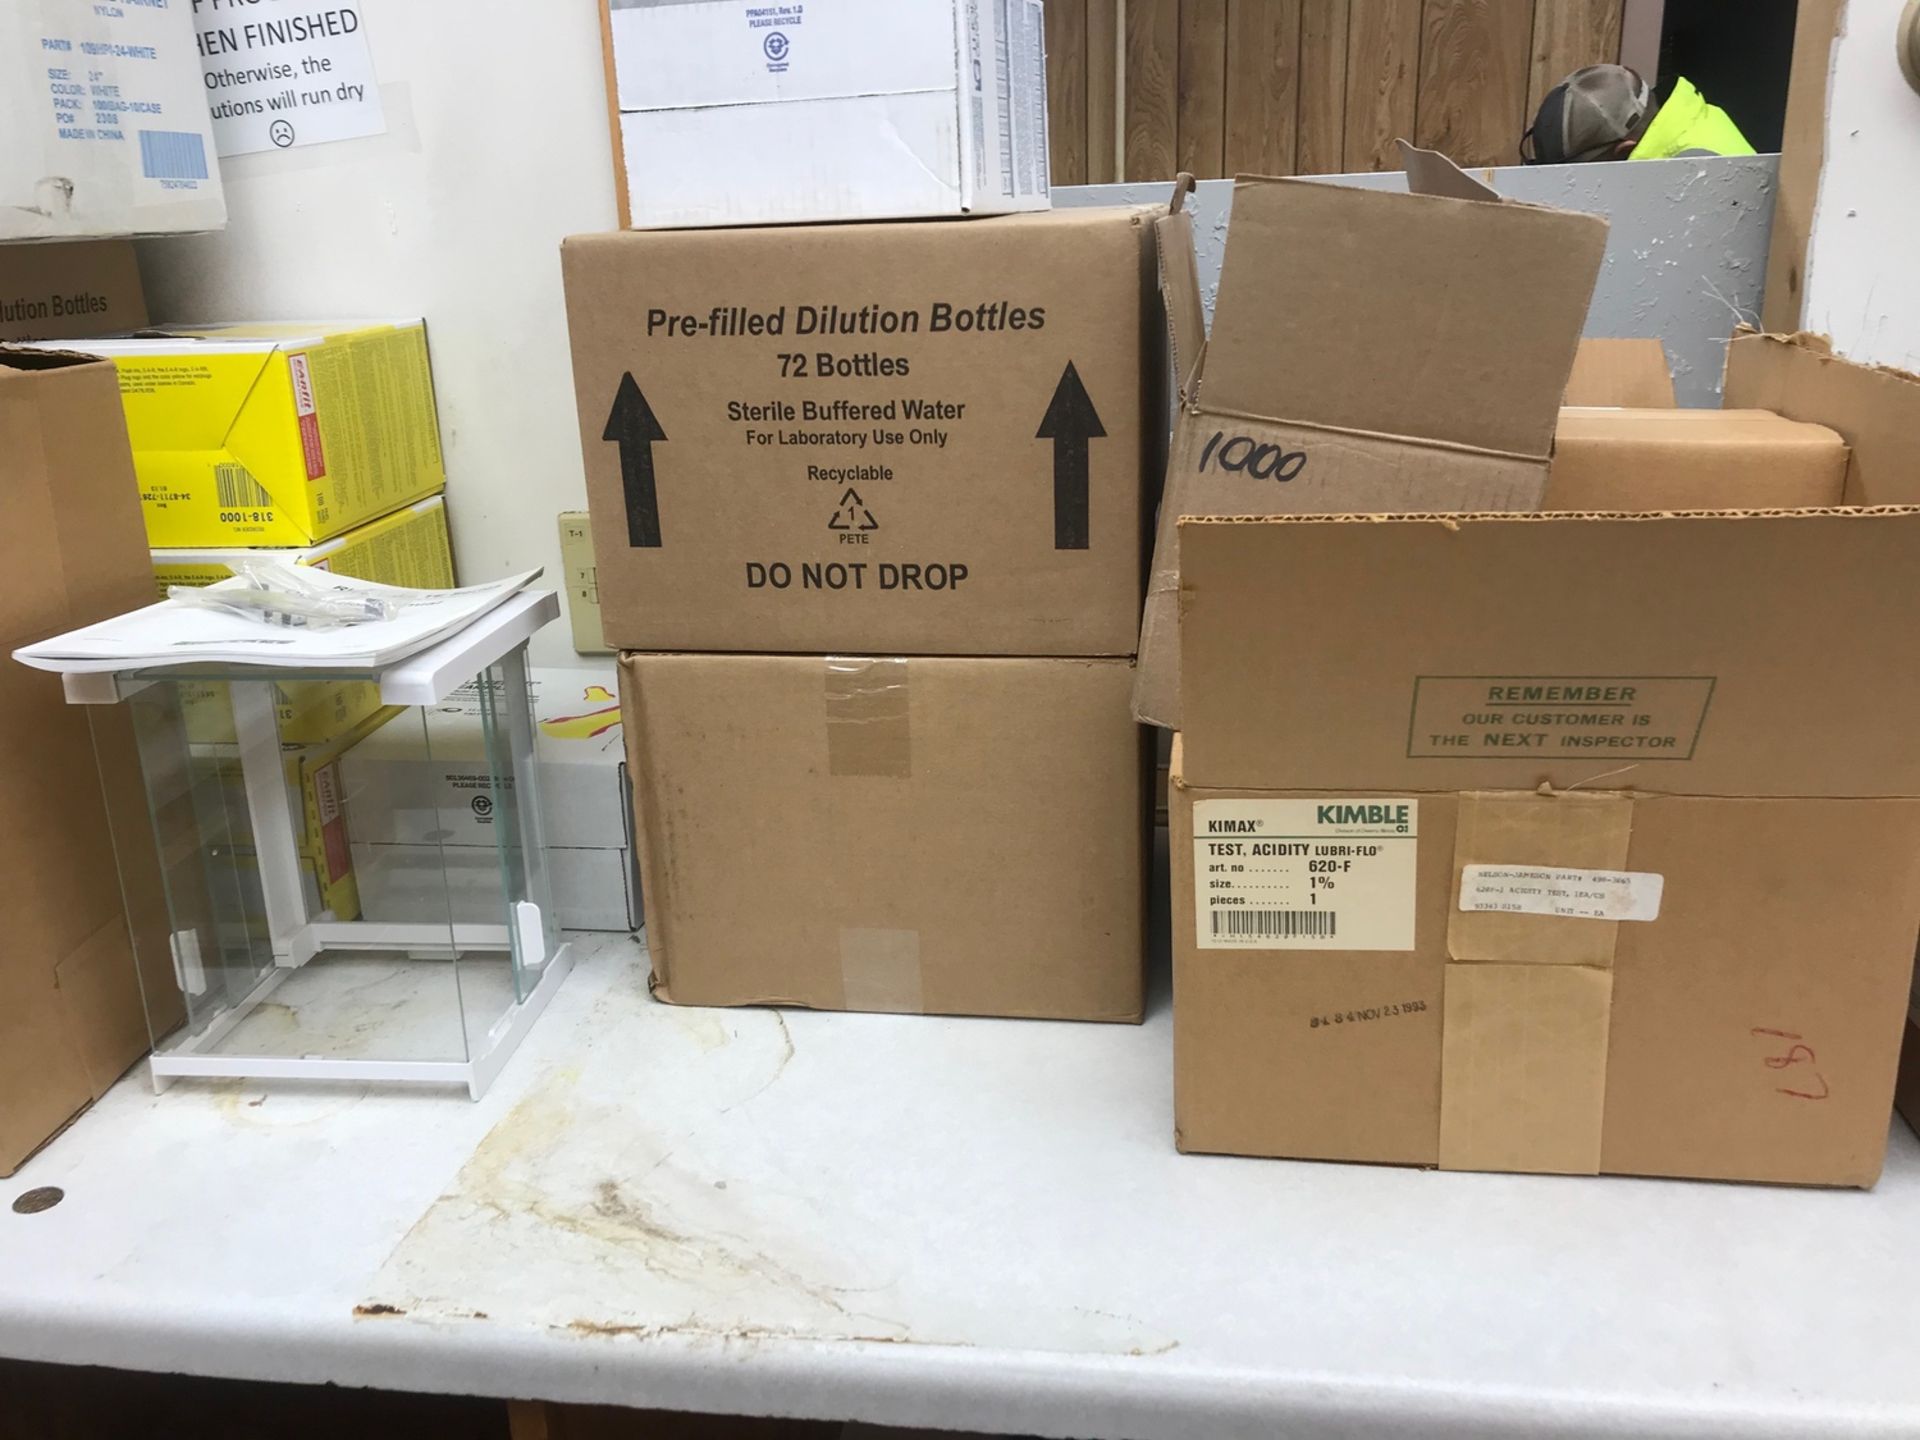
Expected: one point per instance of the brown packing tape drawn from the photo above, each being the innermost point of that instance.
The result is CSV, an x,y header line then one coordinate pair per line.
x,y
867,727
870,735
1575,829
1523,1067
880,970
1523,1056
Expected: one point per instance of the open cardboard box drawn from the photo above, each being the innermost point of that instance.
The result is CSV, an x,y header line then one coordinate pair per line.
x,y
1571,843
1370,352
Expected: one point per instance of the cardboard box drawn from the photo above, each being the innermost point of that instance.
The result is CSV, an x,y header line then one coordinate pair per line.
x,y
106,124
583,583
865,834
731,113
1749,1032
411,796
1631,373
1561,844
276,434
1623,459
71,1019
1368,353
916,438
409,547
1698,654
81,287
314,779
1875,409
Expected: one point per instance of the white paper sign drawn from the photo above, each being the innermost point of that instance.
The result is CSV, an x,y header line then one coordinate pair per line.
x,y
281,73
1572,894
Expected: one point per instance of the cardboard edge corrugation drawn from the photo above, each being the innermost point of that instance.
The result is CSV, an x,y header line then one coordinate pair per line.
x,y
652,855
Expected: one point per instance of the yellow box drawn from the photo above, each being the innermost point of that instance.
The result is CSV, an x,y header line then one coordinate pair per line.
x,y
276,434
313,773
409,547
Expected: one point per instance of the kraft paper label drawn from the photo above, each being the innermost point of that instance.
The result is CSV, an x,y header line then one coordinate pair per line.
x,y
1572,894
1305,874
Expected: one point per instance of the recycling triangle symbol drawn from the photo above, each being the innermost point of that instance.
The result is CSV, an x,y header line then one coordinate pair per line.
x,y
853,514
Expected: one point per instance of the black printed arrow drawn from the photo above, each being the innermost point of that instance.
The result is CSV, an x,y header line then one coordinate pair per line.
x,y
631,424
1070,422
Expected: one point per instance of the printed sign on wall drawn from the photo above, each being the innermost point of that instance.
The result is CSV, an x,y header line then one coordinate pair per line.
x,y
282,73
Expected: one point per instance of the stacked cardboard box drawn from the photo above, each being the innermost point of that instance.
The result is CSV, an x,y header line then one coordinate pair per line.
x,y
1575,842
868,510
70,996
104,112
764,114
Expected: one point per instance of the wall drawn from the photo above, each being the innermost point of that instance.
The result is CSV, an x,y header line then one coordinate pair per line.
x,y
1686,255
1141,89
1862,285
497,147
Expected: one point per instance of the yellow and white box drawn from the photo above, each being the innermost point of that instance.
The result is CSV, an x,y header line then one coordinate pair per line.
x,y
272,434
409,547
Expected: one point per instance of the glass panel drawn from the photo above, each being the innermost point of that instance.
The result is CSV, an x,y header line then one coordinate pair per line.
x,y
217,935
507,724
378,893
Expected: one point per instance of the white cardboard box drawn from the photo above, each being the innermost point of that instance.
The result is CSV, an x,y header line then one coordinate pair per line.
x,y
737,112
404,792
103,121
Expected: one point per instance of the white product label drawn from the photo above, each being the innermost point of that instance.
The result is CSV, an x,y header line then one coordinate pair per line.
x,y
283,73
1574,894
1305,874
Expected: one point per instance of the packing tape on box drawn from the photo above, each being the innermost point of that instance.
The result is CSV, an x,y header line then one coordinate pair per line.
x,y
1529,980
867,728
880,970
869,735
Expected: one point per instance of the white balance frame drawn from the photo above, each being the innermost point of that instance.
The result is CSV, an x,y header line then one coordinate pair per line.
x,y
425,678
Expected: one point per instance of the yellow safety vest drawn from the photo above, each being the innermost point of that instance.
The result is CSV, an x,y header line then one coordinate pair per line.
x,y
1687,123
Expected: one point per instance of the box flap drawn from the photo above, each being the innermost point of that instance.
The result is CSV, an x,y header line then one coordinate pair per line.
x,y
1445,319
1180,292
1621,372
1705,653
1431,173
1875,408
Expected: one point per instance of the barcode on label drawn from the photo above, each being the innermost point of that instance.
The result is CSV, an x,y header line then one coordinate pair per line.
x,y
172,155
1274,924
238,489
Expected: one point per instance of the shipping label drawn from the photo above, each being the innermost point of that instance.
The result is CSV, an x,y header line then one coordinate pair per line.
x,y
1625,717
1305,874
1555,890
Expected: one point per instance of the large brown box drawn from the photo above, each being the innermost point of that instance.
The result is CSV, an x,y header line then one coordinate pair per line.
x,y
1370,352
1750,1032
1553,843
943,834
921,438
69,289
74,552
1666,459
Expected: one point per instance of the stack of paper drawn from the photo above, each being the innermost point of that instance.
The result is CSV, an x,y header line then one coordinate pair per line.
x,y
171,633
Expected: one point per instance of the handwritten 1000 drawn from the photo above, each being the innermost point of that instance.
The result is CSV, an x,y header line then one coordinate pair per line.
x,y
1262,461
